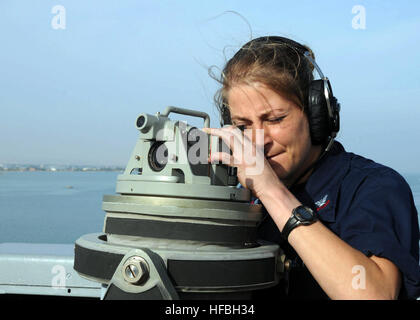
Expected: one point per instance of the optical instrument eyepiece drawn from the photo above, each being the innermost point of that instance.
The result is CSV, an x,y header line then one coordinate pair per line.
x,y
158,156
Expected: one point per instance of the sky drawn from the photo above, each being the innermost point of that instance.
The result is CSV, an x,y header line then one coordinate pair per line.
x,y
71,89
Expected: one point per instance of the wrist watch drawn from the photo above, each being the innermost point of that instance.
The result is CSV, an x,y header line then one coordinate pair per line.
x,y
300,216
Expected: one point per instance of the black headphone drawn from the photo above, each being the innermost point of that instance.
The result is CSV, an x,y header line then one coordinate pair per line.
x,y
322,109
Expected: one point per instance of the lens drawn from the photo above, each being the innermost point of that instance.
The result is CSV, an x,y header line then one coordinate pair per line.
x,y
158,156
140,121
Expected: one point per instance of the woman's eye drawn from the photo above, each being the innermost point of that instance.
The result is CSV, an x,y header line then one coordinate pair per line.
x,y
275,120
241,127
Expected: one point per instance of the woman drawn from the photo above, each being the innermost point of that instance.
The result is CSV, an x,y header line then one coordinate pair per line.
x,y
348,224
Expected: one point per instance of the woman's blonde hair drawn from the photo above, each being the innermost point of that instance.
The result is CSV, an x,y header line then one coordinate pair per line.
x,y
279,65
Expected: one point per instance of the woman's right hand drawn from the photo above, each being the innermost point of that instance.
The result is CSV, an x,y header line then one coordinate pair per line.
x,y
253,170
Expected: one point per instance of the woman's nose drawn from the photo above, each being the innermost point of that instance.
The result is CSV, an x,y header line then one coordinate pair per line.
x,y
261,135
267,140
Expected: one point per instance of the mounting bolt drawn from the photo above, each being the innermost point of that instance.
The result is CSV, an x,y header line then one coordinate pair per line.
x,y
137,158
287,265
283,264
135,270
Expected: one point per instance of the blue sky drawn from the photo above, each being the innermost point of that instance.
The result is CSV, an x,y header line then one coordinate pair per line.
x,y
72,96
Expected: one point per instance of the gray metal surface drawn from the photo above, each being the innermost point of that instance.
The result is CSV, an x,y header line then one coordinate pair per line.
x,y
184,250
188,251
178,207
42,269
138,185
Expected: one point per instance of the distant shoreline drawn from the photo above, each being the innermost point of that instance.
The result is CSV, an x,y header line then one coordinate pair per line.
x,y
54,169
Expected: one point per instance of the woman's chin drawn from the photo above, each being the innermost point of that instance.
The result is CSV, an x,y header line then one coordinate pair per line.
x,y
282,173
278,168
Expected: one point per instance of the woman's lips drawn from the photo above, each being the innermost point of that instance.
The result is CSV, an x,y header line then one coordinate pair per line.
x,y
273,156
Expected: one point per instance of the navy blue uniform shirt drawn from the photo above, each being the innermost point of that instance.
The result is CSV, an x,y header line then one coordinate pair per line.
x,y
366,204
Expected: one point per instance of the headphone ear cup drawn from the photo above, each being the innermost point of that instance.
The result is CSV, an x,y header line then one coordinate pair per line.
x,y
317,112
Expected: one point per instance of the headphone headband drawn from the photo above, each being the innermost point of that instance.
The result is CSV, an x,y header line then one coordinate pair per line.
x,y
302,50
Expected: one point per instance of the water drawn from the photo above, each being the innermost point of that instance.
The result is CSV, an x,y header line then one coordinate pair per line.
x,y
40,207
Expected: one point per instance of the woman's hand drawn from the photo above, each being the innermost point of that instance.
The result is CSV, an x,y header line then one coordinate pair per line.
x,y
253,170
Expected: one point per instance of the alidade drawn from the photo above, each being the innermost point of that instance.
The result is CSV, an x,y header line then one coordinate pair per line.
x,y
178,227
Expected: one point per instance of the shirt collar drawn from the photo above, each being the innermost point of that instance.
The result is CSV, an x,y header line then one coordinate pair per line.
x,y
320,192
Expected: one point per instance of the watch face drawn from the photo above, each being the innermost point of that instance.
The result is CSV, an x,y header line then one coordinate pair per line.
x,y
304,214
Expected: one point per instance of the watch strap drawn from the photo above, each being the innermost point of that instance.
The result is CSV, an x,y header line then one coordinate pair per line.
x,y
294,222
289,226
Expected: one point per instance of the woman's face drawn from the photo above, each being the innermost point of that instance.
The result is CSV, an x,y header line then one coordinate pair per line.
x,y
287,142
